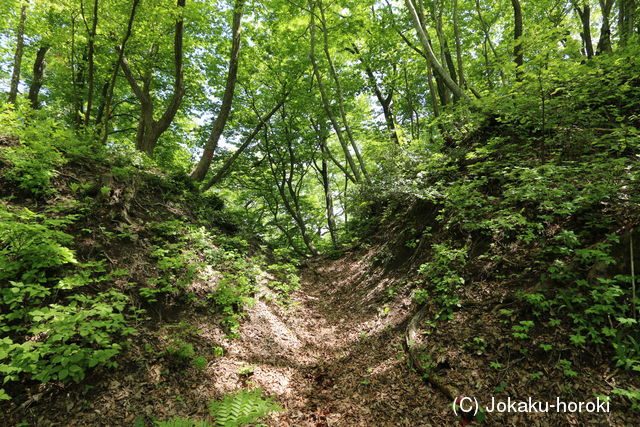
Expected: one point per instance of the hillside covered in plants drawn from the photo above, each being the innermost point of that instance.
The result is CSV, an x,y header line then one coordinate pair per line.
x,y
319,213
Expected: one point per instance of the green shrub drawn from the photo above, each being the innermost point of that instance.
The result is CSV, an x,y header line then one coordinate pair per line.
x,y
51,330
443,277
287,280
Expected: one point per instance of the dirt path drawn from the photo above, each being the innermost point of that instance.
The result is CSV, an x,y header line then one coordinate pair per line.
x,y
335,357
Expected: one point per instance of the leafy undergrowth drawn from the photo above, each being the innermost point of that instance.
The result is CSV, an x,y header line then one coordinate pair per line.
x,y
105,262
521,243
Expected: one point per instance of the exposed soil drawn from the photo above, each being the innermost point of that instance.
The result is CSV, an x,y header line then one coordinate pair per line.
x,y
334,356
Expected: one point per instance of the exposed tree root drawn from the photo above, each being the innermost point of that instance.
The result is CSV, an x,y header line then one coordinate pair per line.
x,y
411,334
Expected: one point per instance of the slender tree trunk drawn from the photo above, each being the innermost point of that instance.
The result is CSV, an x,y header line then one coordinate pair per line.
x,y
445,53
487,40
114,76
517,37
283,177
321,132
631,17
604,42
38,73
103,95
584,13
325,99
456,35
72,61
91,72
487,65
622,26
328,199
78,115
340,166
339,96
222,172
432,93
285,232
17,57
442,91
385,101
211,145
435,64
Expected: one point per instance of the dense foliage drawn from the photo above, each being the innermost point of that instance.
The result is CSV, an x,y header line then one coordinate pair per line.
x,y
246,136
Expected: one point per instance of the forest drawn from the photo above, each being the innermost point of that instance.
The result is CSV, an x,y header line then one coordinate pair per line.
x,y
319,212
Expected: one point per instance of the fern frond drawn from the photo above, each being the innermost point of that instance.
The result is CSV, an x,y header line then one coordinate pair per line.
x,y
182,422
243,407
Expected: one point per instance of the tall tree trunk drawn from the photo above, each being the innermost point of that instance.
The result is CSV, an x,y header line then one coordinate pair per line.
x,y
456,36
38,73
150,130
328,198
17,57
517,38
283,177
211,145
114,76
321,132
432,93
584,13
435,64
622,27
339,96
626,19
325,99
283,229
78,114
604,42
442,92
487,66
91,72
445,53
74,74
